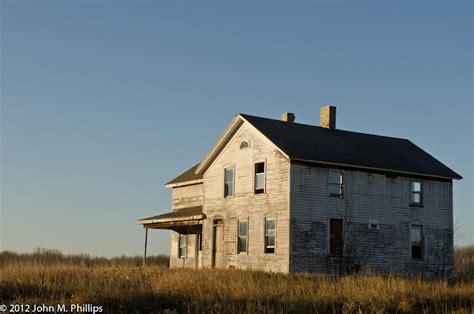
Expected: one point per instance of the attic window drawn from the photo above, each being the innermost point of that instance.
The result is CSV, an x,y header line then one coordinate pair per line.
x,y
245,144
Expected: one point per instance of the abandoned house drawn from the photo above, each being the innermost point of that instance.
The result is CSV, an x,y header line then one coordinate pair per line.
x,y
281,196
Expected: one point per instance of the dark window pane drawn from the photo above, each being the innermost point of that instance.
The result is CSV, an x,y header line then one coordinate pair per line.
x,y
416,251
416,237
229,175
335,189
244,145
228,189
335,177
335,236
242,228
270,226
270,250
270,241
228,182
260,167
242,245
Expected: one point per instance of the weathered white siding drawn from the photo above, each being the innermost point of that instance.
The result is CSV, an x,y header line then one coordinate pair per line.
x,y
188,261
247,205
186,196
183,197
369,196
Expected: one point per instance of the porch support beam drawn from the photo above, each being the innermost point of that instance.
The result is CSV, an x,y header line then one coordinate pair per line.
x,y
146,242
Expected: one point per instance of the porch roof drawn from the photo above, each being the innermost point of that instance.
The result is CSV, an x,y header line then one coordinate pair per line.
x,y
180,218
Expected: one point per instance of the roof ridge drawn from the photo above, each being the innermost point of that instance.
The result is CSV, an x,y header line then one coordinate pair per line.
x,y
319,127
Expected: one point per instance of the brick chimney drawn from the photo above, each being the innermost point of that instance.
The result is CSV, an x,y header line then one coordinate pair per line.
x,y
327,117
288,117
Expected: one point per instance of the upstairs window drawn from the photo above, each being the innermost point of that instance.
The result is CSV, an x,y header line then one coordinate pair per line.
x,y
228,182
270,227
259,178
242,236
335,237
416,235
183,245
416,194
336,187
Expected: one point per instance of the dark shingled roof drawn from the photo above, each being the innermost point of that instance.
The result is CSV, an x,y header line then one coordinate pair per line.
x,y
188,175
314,143
184,212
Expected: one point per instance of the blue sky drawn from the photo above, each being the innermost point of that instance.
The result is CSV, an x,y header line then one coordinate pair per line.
x,y
103,102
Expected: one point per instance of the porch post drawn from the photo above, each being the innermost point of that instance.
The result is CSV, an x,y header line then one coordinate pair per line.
x,y
146,240
196,251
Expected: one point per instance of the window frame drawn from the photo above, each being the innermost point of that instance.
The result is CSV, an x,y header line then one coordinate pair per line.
x,y
244,141
265,236
341,239
420,244
239,236
181,248
199,241
413,192
374,224
340,185
264,190
229,167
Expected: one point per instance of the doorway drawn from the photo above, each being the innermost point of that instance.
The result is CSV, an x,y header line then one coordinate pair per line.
x,y
217,244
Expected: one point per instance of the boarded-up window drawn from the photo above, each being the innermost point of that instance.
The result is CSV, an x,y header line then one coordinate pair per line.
x,y
336,236
336,187
242,236
416,194
270,227
228,182
183,245
259,178
416,235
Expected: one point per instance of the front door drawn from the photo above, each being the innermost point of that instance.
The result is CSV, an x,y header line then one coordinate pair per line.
x,y
217,245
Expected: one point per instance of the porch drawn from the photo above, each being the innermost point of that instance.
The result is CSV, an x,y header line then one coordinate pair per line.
x,y
187,223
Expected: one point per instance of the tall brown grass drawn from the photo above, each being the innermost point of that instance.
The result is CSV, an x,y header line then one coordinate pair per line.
x,y
130,288
464,262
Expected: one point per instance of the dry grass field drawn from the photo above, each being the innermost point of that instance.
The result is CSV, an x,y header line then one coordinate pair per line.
x,y
121,285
